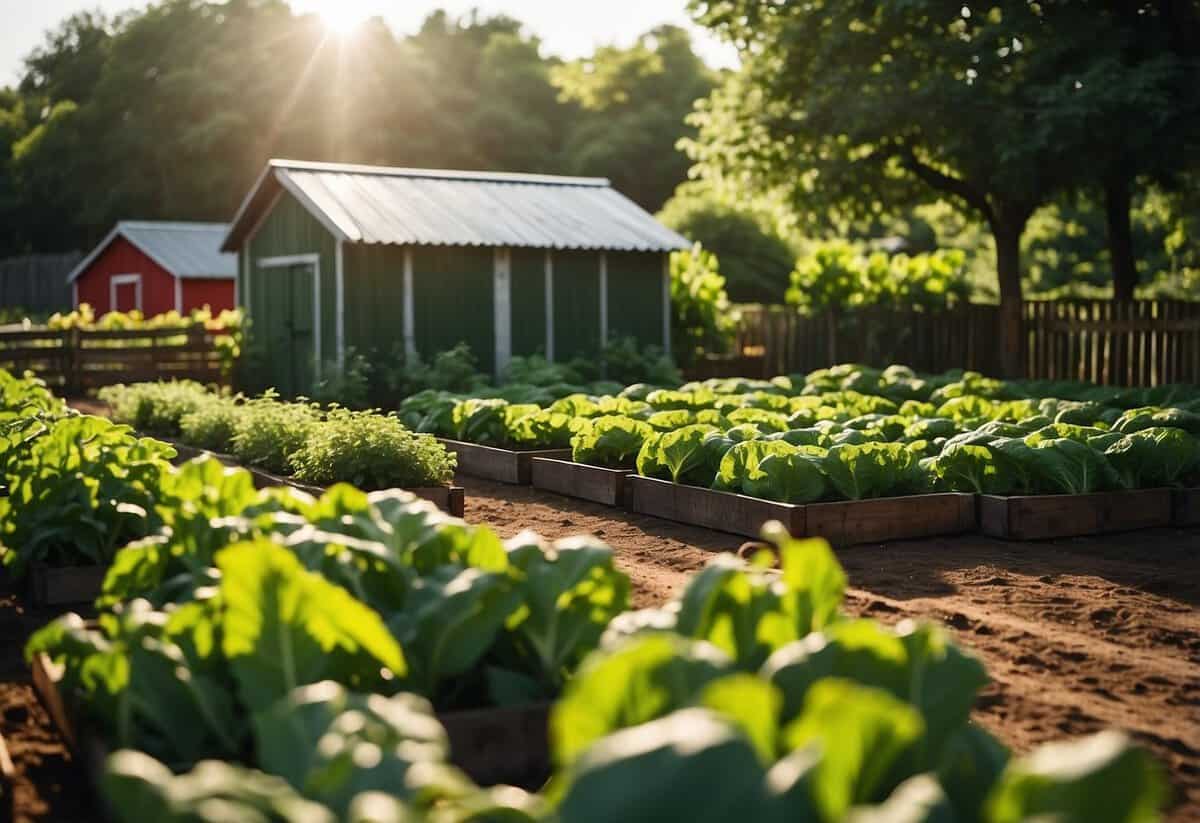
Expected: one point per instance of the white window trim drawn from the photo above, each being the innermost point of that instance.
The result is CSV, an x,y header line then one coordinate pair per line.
x,y
313,260
124,280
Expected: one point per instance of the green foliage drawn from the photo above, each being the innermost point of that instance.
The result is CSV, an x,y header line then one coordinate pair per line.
x,y
756,260
630,107
453,370
837,274
611,440
211,425
371,451
155,408
269,432
346,384
701,317
81,490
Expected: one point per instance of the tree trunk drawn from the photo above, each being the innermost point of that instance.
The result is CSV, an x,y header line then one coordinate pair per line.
x,y
1007,227
1118,201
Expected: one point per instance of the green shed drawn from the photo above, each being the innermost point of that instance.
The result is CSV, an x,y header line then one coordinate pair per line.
x,y
333,257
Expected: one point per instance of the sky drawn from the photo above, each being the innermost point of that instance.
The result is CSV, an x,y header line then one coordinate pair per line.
x,y
568,28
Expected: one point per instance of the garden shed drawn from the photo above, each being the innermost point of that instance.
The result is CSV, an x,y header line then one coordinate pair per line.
x,y
155,267
397,262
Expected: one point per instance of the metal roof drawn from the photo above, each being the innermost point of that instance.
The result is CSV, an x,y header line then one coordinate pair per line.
x,y
187,250
381,205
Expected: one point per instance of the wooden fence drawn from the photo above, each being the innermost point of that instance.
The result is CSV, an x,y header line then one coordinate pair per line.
x,y
1138,343
75,362
37,283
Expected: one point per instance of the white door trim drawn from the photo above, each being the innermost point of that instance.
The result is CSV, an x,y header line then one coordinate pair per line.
x,y
313,260
549,270
124,280
502,307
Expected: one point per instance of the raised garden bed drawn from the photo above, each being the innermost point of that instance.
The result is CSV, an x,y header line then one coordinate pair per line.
x,y
502,465
50,586
594,483
1185,507
1041,517
696,506
842,523
492,745
849,522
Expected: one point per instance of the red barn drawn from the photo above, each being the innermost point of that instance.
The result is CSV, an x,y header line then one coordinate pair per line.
x,y
157,267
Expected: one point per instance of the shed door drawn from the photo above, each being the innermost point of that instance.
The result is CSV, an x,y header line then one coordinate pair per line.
x,y
285,318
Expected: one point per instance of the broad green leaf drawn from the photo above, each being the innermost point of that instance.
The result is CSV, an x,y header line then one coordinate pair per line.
x,y
645,678
1099,779
286,627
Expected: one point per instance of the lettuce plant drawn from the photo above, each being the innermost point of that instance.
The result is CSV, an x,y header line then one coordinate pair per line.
x,y
611,440
81,490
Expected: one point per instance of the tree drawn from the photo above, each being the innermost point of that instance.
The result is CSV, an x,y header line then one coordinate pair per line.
x,y
632,107
860,107
755,261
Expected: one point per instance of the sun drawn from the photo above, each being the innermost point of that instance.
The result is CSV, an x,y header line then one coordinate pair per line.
x,y
341,16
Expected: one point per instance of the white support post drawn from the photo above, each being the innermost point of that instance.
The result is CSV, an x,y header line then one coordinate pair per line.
x,y
410,331
502,308
178,294
603,300
666,303
549,266
339,306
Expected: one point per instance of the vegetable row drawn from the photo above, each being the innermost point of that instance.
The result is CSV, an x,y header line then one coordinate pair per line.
x,y
314,445
272,656
850,433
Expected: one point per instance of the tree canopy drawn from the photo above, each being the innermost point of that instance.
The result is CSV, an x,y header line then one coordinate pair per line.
x,y
171,112
858,108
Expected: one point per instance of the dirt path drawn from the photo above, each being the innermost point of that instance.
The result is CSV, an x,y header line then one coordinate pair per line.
x,y
1077,635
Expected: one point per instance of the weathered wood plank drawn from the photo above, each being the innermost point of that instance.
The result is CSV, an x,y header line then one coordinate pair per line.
x,y
50,586
594,483
721,511
849,522
501,465
1040,517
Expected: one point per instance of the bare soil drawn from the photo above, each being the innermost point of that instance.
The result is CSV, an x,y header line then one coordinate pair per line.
x,y
1078,635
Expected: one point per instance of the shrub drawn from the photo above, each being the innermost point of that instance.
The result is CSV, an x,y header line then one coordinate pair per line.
x,y
839,274
624,363
347,384
212,425
268,432
155,408
701,318
453,370
371,451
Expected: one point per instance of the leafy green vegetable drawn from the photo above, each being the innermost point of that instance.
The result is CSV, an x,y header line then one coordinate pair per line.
x,y
285,627
82,489
611,440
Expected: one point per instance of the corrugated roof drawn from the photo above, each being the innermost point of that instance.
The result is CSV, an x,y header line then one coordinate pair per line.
x,y
187,250
381,205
